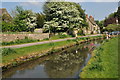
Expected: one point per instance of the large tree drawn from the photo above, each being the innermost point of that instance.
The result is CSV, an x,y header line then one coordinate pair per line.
x,y
24,20
63,16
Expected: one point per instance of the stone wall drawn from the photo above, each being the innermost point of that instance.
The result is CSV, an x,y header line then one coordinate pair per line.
x,y
13,37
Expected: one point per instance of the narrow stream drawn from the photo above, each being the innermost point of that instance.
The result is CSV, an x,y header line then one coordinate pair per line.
x,y
65,64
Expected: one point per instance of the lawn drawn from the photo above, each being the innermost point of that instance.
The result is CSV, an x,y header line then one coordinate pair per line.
x,y
104,61
18,52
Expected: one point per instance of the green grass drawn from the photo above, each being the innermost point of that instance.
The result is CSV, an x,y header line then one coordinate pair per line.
x,y
7,51
104,61
60,37
34,49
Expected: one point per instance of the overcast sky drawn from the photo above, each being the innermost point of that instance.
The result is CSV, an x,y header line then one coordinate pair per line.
x,y
99,9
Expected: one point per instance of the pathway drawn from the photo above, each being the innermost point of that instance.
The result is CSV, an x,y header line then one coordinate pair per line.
x,y
43,42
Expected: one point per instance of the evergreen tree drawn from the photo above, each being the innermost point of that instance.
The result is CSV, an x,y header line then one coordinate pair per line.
x,y
40,20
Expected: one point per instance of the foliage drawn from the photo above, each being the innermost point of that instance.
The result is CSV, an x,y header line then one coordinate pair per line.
x,y
40,20
7,51
104,62
113,27
24,20
8,26
62,16
18,19
60,36
82,12
118,14
80,32
100,24
112,15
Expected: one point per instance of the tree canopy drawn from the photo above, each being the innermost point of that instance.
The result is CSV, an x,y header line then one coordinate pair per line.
x,y
25,20
62,16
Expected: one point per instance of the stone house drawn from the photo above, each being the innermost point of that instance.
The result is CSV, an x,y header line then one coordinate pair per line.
x,y
93,28
4,15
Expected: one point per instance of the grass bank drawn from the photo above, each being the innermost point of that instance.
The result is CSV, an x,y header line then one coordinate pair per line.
x,y
19,52
104,61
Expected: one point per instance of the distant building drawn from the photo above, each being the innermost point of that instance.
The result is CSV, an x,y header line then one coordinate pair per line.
x,y
93,28
4,15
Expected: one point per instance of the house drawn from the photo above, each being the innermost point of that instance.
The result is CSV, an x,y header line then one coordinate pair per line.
x,y
4,15
93,28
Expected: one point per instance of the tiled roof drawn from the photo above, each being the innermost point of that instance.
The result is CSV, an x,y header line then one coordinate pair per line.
x,y
4,11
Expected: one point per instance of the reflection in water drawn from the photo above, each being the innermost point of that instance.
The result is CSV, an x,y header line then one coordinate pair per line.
x,y
65,64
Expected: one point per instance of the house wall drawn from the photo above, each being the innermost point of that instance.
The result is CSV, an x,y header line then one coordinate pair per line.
x,y
92,26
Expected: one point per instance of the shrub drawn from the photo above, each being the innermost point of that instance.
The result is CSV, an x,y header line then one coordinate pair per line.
x,y
81,33
51,44
7,51
63,36
46,39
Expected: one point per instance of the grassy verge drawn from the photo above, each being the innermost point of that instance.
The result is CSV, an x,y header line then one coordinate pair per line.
x,y
31,49
104,62
60,37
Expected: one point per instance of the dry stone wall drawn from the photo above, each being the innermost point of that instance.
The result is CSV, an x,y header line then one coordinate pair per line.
x,y
13,37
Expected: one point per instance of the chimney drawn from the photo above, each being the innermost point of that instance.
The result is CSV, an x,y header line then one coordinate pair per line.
x,y
86,15
90,17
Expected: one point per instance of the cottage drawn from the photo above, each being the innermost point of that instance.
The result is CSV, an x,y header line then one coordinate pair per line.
x,y
93,28
4,15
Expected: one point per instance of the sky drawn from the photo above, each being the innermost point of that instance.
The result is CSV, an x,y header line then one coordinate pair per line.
x,y
99,9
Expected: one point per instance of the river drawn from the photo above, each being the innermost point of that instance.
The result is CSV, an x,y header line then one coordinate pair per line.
x,y
64,64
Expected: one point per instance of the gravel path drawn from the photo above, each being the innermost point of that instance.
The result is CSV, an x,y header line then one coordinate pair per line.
x,y
37,43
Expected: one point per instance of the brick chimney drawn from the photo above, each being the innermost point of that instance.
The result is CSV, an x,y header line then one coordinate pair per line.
x,y
90,17
86,15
